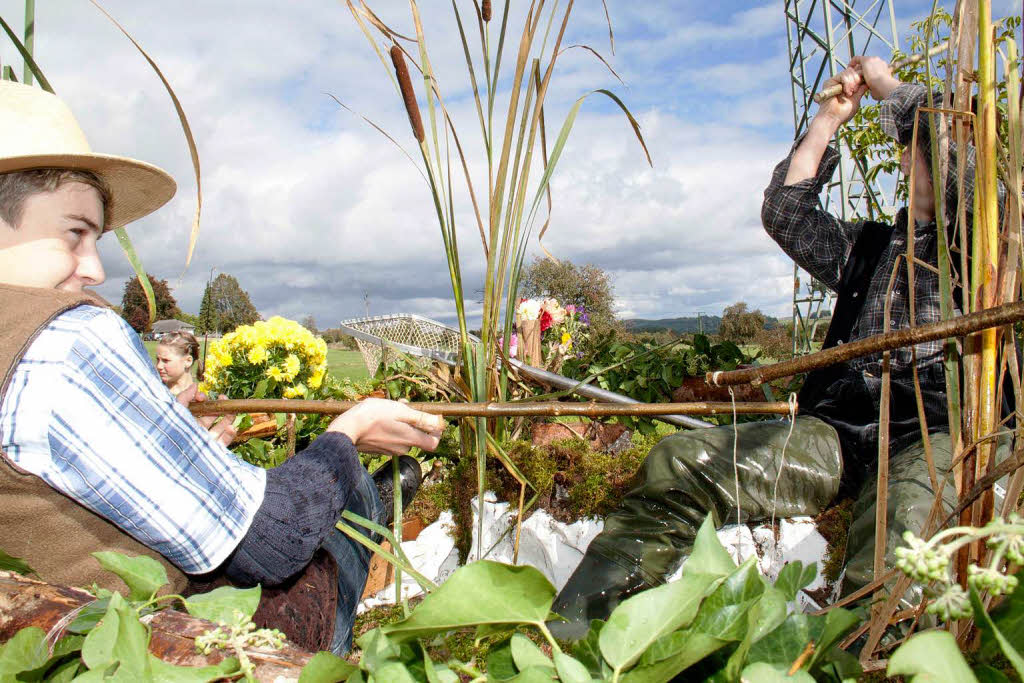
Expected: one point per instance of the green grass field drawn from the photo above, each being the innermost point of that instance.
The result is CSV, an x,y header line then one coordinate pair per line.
x,y
340,362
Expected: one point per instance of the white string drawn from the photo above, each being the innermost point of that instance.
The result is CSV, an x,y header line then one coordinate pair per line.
x,y
782,461
736,472
714,378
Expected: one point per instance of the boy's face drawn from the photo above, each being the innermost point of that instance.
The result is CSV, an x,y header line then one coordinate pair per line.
x,y
54,245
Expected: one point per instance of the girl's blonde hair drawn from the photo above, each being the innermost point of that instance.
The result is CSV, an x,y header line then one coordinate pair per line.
x,y
184,343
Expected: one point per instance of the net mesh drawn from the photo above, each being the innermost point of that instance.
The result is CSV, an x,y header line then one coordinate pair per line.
x,y
419,333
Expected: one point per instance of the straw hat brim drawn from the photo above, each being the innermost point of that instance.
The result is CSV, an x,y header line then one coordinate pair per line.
x,y
137,189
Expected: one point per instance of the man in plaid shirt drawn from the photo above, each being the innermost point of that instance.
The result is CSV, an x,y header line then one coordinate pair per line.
x,y
834,442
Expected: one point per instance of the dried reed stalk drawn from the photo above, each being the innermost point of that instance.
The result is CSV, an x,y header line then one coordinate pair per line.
x,y
1006,314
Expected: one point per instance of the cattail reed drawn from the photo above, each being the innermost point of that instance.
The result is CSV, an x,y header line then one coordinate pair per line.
x,y
405,83
485,10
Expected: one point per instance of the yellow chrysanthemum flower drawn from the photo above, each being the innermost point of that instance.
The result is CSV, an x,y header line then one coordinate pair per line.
x,y
257,354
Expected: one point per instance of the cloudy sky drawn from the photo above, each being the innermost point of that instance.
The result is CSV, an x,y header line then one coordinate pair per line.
x,y
318,214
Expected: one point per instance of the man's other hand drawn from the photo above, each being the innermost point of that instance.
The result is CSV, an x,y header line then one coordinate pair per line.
x,y
380,426
876,75
223,429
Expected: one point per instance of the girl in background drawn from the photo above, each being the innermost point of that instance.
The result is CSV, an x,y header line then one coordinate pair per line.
x,y
176,353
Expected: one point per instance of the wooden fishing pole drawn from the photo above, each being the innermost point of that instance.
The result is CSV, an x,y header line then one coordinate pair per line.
x,y
493,409
837,89
1007,314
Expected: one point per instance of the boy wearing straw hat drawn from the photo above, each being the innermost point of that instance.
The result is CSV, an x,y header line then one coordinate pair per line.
x,y
95,454
833,445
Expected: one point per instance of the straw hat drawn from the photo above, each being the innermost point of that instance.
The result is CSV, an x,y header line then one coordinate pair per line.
x,y
39,131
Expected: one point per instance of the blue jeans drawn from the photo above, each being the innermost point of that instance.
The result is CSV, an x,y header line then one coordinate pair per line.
x,y
353,560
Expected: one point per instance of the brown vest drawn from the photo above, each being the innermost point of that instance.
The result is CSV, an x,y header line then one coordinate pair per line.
x,y
51,532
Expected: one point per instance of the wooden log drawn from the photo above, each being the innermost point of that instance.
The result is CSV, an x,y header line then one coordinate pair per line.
x,y
27,602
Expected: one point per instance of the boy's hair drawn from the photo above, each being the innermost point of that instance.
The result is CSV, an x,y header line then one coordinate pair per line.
x,y
18,186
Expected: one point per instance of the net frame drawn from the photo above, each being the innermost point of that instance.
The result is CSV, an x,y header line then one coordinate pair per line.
x,y
408,333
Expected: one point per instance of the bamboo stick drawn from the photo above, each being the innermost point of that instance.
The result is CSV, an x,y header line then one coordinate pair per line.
x,y
837,89
1007,314
494,409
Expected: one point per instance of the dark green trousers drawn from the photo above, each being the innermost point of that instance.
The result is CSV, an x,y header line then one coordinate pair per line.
x,y
691,474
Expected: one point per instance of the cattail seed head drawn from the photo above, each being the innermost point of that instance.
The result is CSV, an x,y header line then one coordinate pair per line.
x,y
485,9
405,84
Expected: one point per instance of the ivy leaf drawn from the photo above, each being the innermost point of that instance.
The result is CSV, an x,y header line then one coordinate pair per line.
x,y
647,616
526,654
709,556
143,575
930,657
724,613
468,598
325,667
985,623
25,651
795,576
221,604
98,648
17,565
1008,617
570,670
164,672
500,664
761,672
588,651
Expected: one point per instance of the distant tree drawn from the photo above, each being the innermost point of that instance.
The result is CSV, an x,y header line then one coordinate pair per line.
x,y
588,286
135,308
740,324
309,322
192,320
225,306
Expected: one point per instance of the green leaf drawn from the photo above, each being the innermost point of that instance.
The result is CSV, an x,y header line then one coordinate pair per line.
x,y
164,672
89,616
570,670
673,654
14,564
260,391
795,576
143,575
767,614
220,604
724,613
394,672
647,616
784,644
500,664
140,271
709,556
25,651
986,674
526,654
1008,618
98,648
761,672
325,667
930,657
588,651
64,673
985,623
483,592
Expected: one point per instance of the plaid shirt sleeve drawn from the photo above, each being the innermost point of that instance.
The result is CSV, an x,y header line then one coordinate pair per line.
x,y
87,413
819,242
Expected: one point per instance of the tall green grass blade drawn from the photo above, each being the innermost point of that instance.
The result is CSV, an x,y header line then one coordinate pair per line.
x,y
27,56
472,72
193,151
140,272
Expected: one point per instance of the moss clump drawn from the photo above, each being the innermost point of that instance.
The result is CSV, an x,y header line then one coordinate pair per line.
x,y
572,481
834,525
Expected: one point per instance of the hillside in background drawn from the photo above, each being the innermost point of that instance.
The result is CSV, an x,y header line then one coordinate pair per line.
x,y
679,325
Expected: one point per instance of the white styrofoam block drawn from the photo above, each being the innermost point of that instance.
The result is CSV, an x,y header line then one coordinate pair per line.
x,y
555,548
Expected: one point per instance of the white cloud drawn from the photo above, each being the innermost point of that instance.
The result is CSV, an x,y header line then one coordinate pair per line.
x,y
309,207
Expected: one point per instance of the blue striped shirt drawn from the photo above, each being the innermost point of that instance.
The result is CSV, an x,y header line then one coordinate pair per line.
x,y
86,412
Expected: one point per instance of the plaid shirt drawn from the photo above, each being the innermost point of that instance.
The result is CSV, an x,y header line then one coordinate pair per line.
x,y
86,412
821,243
